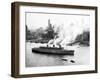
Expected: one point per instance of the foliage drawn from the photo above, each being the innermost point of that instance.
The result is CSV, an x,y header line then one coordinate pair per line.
x,y
82,39
40,35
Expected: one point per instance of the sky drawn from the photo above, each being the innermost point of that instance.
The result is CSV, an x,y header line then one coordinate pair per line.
x,y
36,20
70,23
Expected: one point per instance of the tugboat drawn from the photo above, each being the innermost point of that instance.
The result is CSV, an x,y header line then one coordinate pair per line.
x,y
53,50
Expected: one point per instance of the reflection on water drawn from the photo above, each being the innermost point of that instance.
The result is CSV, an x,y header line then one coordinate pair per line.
x,y
81,56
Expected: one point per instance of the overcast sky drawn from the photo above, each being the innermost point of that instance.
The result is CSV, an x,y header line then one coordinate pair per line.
x,y
74,23
36,20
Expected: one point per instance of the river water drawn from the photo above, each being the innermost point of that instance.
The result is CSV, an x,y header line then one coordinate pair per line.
x,y
81,57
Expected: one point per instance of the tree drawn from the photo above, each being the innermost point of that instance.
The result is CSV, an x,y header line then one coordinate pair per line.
x,y
28,34
82,39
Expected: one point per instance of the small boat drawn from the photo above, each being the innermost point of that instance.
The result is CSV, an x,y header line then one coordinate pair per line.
x,y
53,50
64,59
72,61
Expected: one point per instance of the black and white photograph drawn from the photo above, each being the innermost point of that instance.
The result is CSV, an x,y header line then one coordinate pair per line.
x,y
52,39
57,39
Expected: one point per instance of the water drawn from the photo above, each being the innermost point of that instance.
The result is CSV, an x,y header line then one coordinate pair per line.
x,y
81,57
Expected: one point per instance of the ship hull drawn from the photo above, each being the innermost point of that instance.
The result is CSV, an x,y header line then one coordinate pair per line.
x,y
56,51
